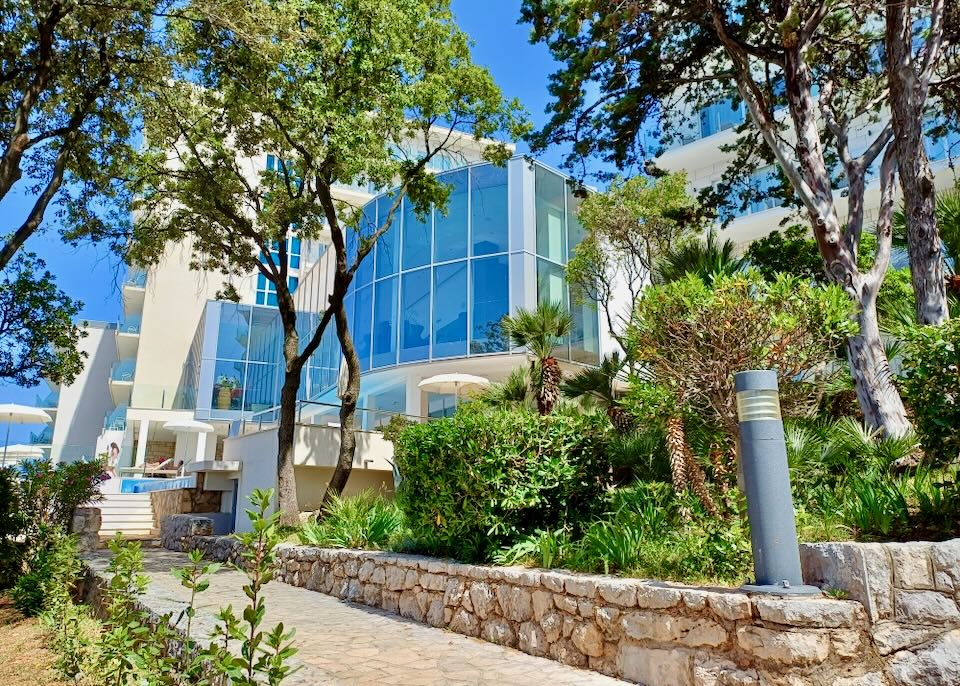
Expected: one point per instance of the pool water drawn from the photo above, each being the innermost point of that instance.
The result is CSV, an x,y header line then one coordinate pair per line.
x,y
147,485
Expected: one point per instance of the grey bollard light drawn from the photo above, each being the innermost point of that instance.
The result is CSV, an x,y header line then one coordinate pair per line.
x,y
766,476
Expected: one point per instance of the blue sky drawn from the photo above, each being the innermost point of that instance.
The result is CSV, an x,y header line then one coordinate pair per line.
x,y
90,273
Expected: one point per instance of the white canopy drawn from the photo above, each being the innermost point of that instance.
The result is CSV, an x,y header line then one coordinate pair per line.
x,y
188,426
453,383
21,450
11,413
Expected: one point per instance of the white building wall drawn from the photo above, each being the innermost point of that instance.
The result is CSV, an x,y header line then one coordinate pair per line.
x,y
84,403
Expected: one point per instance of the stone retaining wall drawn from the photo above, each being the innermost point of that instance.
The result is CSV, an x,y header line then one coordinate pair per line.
x,y
667,635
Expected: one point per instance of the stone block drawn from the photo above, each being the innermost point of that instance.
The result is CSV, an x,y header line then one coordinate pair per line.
x,y
465,623
666,628
531,639
588,639
454,591
409,607
820,613
542,603
515,603
552,625
946,564
937,664
354,590
607,619
371,595
435,612
564,651
378,576
694,599
498,630
868,679
582,586
565,603
365,571
552,581
394,578
912,567
619,592
411,578
926,607
847,643
864,570
785,647
433,582
351,567
482,598
655,666
713,671
654,597
585,608
731,606
890,637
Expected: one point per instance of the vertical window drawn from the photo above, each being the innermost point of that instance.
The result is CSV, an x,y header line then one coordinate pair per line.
x,y
415,313
575,231
368,226
488,209
265,336
551,286
227,385
550,192
361,326
385,322
490,303
585,333
441,404
260,391
234,331
416,237
450,229
450,310
389,242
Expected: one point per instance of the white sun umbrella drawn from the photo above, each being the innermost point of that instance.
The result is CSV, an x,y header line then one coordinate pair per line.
x,y
12,413
192,426
21,451
454,383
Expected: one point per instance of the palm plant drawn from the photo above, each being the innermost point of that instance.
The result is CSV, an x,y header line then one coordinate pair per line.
x,y
707,260
540,331
511,393
597,385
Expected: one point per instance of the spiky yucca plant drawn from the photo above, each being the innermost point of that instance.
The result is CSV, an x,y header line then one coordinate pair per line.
x,y
707,259
540,331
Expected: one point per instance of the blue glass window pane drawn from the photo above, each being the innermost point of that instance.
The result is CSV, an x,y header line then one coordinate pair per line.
x,y
233,331
441,404
415,310
368,226
416,237
261,298
549,201
490,301
575,231
389,243
292,283
450,229
585,334
450,310
361,326
488,201
271,162
763,181
265,336
295,262
385,323
260,392
261,282
294,245
272,299
228,382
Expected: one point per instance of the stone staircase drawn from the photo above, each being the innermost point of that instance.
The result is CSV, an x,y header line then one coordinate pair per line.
x,y
128,513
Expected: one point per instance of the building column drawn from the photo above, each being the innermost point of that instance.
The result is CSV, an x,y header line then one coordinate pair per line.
x,y
201,447
142,442
414,397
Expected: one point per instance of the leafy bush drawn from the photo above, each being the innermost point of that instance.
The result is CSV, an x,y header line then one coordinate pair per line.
x,y
931,386
11,526
51,573
366,520
51,493
484,478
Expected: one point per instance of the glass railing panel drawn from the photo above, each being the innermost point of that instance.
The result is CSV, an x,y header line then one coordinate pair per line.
x,y
48,401
123,370
130,325
162,397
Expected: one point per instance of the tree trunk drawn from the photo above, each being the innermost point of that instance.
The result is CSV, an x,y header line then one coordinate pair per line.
x,y
348,408
872,378
286,480
549,392
676,442
907,98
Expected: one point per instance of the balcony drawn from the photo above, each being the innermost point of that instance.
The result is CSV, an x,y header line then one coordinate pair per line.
x,y
134,292
116,419
121,381
48,402
128,337
44,437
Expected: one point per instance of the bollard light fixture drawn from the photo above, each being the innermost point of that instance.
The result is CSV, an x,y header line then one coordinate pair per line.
x,y
766,476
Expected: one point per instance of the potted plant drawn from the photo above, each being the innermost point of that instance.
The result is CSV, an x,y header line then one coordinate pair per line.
x,y
225,388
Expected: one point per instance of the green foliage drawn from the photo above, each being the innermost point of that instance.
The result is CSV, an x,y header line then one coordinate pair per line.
x,y
38,338
541,331
931,385
707,260
50,575
264,654
482,478
366,520
511,393
12,524
50,494
394,426
792,252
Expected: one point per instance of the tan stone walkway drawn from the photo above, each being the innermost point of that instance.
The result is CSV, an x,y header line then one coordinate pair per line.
x,y
341,643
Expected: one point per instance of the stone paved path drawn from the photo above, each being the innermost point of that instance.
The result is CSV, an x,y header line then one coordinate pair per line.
x,y
344,644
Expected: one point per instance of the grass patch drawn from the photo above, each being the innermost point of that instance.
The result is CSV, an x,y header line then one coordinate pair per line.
x,y
25,659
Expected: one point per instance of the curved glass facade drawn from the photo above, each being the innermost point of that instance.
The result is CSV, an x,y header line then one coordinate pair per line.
x,y
435,286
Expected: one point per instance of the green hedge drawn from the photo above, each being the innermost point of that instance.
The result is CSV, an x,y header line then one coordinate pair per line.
x,y
931,385
484,478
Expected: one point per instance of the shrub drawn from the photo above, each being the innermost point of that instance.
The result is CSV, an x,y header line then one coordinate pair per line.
x,y
485,478
366,520
931,385
51,493
51,574
11,526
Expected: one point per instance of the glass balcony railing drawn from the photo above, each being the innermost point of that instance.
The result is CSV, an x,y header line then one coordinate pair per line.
x,y
116,419
123,370
136,278
44,437
131,325
48,401
163,397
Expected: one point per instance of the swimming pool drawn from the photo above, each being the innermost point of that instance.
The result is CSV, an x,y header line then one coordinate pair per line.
x,y
147,484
